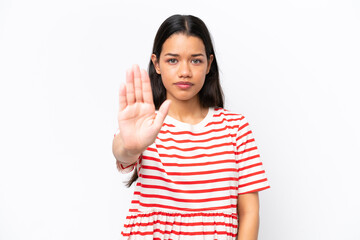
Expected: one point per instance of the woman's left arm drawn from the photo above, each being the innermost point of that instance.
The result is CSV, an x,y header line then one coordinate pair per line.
x,y
248,215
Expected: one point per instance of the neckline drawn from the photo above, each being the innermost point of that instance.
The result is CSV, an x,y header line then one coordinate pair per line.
x,y
188,126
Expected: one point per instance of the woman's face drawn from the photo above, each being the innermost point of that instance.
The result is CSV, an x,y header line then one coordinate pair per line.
x,y
183,66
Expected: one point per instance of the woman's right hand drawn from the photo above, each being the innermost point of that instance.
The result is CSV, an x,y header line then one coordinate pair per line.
x,y
138,123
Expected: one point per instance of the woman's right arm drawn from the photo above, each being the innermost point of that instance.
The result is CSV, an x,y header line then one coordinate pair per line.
x,y
121,154
138,122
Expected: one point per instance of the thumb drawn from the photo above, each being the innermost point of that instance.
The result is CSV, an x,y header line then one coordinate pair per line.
x,y
162,113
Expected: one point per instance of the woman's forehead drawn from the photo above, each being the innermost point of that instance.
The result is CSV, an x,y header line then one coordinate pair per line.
x,y
183,44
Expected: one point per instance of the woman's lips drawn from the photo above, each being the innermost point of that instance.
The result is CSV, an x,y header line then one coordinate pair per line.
x,y
184,85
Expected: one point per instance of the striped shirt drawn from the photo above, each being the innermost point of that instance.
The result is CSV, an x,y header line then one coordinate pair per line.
x,y
190,179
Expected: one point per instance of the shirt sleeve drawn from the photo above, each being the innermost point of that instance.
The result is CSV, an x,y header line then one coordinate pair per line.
x,y
126,168
252,177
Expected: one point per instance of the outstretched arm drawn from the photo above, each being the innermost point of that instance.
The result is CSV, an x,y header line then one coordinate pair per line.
x,y
138,122
248,213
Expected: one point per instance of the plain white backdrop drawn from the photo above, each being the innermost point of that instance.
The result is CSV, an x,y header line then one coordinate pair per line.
x,y
291,67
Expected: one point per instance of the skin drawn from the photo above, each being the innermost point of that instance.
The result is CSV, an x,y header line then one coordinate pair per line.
x,y
137,120
183,59
248,213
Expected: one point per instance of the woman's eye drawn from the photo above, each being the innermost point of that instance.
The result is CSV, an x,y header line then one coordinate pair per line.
x,y
172,61
196,61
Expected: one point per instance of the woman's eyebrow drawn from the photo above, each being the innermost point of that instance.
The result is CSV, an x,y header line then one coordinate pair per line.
x,y
193,55
198,55
172,54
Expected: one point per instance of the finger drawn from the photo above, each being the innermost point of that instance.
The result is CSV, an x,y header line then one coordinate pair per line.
x,y
130,95
146,87
162,113
122,97
137,84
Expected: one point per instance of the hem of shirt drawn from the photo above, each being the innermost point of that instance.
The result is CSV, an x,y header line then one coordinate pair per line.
x,y
255,190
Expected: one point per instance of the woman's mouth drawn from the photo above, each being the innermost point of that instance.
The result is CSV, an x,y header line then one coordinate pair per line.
x,y
184,85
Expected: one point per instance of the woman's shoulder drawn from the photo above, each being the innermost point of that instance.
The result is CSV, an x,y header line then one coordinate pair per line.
x,y
233,120
230,118
226,113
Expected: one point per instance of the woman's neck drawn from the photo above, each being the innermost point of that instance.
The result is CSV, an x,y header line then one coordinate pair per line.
x,y
187,111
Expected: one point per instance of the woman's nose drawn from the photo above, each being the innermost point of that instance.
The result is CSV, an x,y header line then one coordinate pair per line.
x,y
184,70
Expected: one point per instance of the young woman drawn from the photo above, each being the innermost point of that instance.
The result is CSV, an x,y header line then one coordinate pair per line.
x,y
196,164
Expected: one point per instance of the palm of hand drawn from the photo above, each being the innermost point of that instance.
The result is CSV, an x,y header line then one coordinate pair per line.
x,y
135,124
138,122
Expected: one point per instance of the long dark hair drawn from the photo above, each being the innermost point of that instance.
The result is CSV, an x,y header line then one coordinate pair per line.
x,y
211,94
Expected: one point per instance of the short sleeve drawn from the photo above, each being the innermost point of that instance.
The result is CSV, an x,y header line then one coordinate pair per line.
x,y
124,168
252,177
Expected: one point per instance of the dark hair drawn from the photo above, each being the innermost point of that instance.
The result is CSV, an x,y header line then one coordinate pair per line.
x,y
211,94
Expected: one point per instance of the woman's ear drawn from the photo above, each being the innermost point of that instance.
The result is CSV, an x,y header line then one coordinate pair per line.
x,y
156,63
211,58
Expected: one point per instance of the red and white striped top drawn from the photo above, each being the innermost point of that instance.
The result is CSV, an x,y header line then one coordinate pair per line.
x,y
190,179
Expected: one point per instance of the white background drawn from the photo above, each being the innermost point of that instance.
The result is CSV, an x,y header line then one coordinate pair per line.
x,y
291,67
